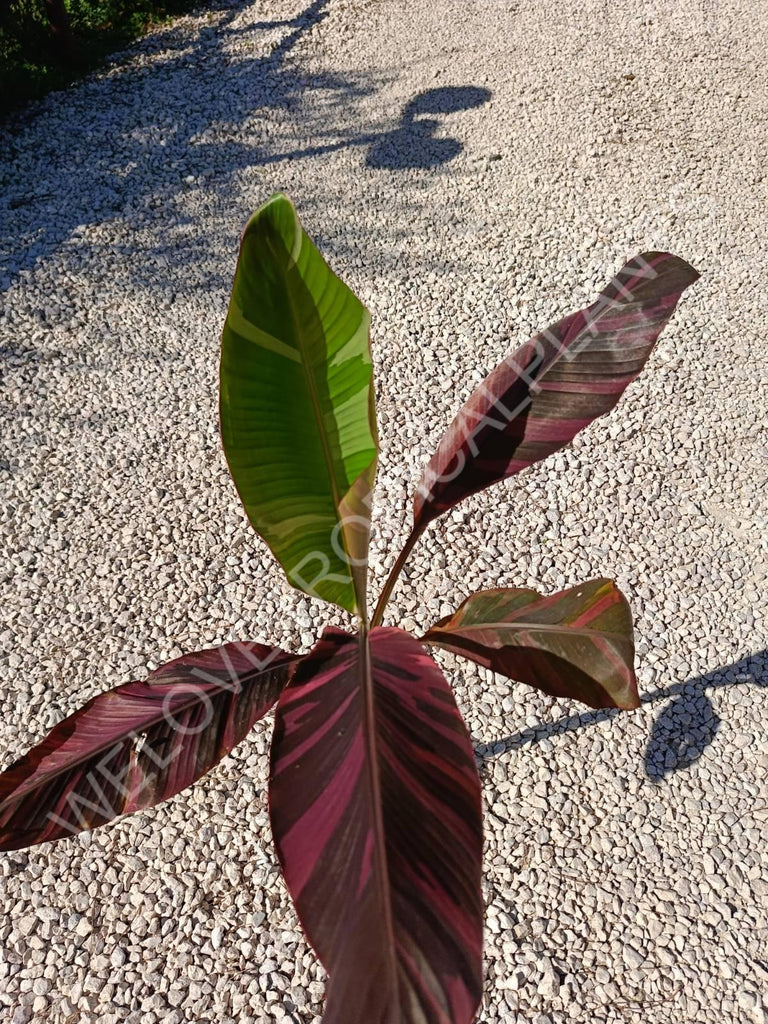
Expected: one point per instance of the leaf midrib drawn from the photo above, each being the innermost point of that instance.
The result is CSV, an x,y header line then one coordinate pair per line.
x,y
315,397
374,779
540,627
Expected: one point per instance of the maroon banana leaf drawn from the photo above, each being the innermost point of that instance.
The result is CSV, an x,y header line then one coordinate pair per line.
x,y
577,643
140,743
543,394
375,807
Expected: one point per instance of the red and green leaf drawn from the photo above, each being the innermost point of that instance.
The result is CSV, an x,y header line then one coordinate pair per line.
x,y
375,806
139,744
543,394
576,644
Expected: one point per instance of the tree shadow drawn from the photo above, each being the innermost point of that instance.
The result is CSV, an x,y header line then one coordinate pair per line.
x,y
412,145
184,108
189,108
680,734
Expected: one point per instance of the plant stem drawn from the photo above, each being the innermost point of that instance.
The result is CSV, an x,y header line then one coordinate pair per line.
x,y
397,568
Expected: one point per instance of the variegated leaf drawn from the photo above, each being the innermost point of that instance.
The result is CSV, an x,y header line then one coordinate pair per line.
x,y
139,744
298,422
375,806
577,643
543,394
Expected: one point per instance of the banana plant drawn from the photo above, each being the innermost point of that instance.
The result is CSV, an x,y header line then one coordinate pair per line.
x,y
374,793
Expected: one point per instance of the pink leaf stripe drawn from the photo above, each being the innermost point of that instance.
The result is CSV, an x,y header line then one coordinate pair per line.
x,y
375,806
139,744
543,394
577,643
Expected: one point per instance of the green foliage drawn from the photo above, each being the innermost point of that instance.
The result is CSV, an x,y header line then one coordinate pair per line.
x,y
297,407
31,61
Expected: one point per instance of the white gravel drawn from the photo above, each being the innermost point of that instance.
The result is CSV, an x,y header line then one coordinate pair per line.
x,y
626,873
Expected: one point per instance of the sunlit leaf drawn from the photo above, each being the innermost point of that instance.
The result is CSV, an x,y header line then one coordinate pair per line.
x,y
375,806
297,407
543,394
139,744
577,643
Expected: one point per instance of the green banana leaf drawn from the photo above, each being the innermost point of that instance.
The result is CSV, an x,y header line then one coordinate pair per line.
x,y
298,421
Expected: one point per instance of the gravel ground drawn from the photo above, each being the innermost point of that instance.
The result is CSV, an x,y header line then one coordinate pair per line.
x,y
474,170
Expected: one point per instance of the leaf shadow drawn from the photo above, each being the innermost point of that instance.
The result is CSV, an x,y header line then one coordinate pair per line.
x,y
413,143
683,730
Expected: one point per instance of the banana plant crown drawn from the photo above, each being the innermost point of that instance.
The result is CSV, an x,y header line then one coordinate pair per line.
x,y
374,794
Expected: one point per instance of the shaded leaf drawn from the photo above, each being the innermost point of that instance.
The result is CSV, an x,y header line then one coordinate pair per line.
x,y
577,643
140,743
543,394
375,807
297,407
